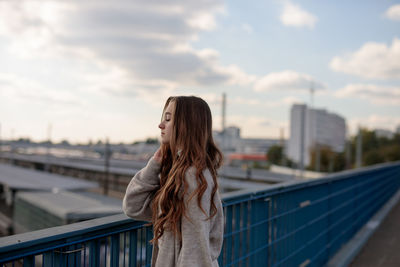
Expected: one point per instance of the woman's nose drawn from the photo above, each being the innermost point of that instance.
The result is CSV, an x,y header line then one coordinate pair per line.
x,y
161,126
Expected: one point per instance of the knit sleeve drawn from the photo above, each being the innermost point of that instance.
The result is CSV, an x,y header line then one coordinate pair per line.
x,y
201,240
140,192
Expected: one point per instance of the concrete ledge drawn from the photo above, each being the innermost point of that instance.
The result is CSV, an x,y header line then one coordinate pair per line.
x,y
350,250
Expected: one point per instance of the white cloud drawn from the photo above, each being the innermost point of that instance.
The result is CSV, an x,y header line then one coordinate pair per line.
x,y
393,12
375,94
149,40
287,80
294,15
202,22
372,60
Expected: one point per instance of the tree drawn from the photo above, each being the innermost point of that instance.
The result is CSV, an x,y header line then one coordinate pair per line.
x,y
151,141
377,149
372,157
392,152
275,154
329,159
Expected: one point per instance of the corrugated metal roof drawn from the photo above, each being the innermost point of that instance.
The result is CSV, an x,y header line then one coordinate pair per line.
x,y
73,205
18,178
122,167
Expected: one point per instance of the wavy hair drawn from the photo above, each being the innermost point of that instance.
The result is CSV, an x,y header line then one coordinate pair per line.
x,y
191,145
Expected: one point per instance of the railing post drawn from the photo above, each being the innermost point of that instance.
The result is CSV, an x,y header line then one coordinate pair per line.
x,y
48,259
67,256
29,261
259,234
133,248
115,250
94,253
245,236
236,238
148,246
228,229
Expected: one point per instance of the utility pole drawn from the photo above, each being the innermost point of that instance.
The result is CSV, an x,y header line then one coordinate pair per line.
x,y
107,154
312,90
348,154
47,165
330,166
12,146
317,158
359,148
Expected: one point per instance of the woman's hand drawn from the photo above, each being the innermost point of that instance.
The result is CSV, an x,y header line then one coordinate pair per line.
x,y
158,155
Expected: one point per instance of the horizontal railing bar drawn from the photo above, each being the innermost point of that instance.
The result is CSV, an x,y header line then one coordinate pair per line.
x,y
293,185
329,213
281,189
311,204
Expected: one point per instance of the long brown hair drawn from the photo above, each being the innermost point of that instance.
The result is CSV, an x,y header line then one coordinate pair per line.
x,y
191,144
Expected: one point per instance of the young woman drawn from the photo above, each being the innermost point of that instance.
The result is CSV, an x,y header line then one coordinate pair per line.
x,y
178,191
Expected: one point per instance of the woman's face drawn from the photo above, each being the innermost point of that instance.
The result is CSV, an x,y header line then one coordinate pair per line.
x,y
167,122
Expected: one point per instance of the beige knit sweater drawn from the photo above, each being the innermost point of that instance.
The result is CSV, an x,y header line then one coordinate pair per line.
x,y
201,238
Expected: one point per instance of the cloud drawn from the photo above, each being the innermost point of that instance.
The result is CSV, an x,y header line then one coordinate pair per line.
x,y
294,15
393,12
287,80
375,94
148,40
372,61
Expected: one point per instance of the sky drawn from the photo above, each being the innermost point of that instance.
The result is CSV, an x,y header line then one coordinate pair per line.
x,y
91,70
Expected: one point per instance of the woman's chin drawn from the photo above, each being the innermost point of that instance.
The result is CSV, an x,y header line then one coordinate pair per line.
x,y
164,142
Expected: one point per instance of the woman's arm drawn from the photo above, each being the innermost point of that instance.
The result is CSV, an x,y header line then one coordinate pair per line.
x,y
201,238
140,191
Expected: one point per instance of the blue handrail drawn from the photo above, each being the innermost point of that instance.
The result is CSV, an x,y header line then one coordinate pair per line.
x,y
301,223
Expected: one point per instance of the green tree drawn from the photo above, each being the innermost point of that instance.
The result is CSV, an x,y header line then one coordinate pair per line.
x,y
372,157
329,160
376,149
151,141
275,154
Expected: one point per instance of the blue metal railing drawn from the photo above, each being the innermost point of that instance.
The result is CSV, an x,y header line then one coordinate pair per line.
x,y
292,224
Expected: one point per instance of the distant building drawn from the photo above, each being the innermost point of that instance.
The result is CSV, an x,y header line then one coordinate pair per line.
x,y
383,133
230,141
398,129
309,127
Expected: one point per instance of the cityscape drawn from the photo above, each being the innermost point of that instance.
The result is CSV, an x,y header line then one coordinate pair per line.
x,y
305,103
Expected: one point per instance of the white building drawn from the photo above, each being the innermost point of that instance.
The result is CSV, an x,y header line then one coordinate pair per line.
x,y
309,127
